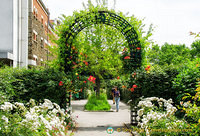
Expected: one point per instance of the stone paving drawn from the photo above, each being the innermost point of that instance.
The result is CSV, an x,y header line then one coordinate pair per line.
x,y
96,123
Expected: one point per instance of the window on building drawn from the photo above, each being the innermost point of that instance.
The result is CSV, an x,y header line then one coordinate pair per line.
x,y
42,42
42,20
36,13
34,36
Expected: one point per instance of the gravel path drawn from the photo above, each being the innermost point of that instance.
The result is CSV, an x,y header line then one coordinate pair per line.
x,y
96,123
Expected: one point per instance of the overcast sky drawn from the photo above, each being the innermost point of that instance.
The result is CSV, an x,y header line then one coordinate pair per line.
x,y
172,19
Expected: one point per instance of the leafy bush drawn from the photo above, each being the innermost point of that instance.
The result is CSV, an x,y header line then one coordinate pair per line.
x,y
185,81
192,110
154,81
97,103
6,87
23,84
33,119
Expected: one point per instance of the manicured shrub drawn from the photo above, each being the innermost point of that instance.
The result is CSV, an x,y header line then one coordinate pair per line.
x,y
23,84
97,103
154,81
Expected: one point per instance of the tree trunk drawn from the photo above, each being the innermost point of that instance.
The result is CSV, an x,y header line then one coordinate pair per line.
x,y
98,84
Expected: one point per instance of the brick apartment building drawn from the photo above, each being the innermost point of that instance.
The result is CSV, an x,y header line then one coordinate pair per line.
x,y
27,41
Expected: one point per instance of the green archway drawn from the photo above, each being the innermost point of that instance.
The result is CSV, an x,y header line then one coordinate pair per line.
x,y
67,49
104,17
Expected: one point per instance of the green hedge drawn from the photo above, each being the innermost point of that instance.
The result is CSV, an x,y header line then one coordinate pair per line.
x,y
23,84
157,82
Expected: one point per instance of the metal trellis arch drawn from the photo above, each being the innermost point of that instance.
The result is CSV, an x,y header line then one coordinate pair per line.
x,y
108,18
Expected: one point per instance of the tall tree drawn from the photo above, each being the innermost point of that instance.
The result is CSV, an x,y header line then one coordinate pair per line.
x,y
169,54
195,52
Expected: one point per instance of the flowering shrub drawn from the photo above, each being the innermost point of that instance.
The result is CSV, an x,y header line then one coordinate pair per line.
x,y
156,116
23,84
31,119
192,110
153,81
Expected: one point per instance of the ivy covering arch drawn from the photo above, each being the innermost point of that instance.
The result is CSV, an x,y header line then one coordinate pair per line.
x,y
104,17
69,53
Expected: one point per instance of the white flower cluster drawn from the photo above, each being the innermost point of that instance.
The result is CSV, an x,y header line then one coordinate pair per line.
x,y
47,114
7,106
154,115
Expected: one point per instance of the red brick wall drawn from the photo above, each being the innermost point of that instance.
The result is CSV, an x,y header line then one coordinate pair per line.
x,y
41,12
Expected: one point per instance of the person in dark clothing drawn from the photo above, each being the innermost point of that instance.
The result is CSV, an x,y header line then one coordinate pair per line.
x,y
112,92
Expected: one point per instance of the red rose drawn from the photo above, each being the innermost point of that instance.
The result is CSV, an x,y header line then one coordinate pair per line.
x,y
132,89
92,79
127,57
138,48
118,77
84,81
86,63
134,86
60,83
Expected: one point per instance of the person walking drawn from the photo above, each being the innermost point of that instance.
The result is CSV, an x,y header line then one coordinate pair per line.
x,y
117,98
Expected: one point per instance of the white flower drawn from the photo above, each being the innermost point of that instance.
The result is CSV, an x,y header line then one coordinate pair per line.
x,y
145,103
7,106
152,98
20,105
170,101
29,116
46,123
138,118
47,104
36,125
149,104
56,105
162,100
54,111
62,112
32,102
5,118
185,104
140,112
147,131
160,104
62,133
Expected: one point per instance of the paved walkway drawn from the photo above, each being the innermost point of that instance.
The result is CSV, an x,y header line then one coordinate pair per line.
x,y
96,123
